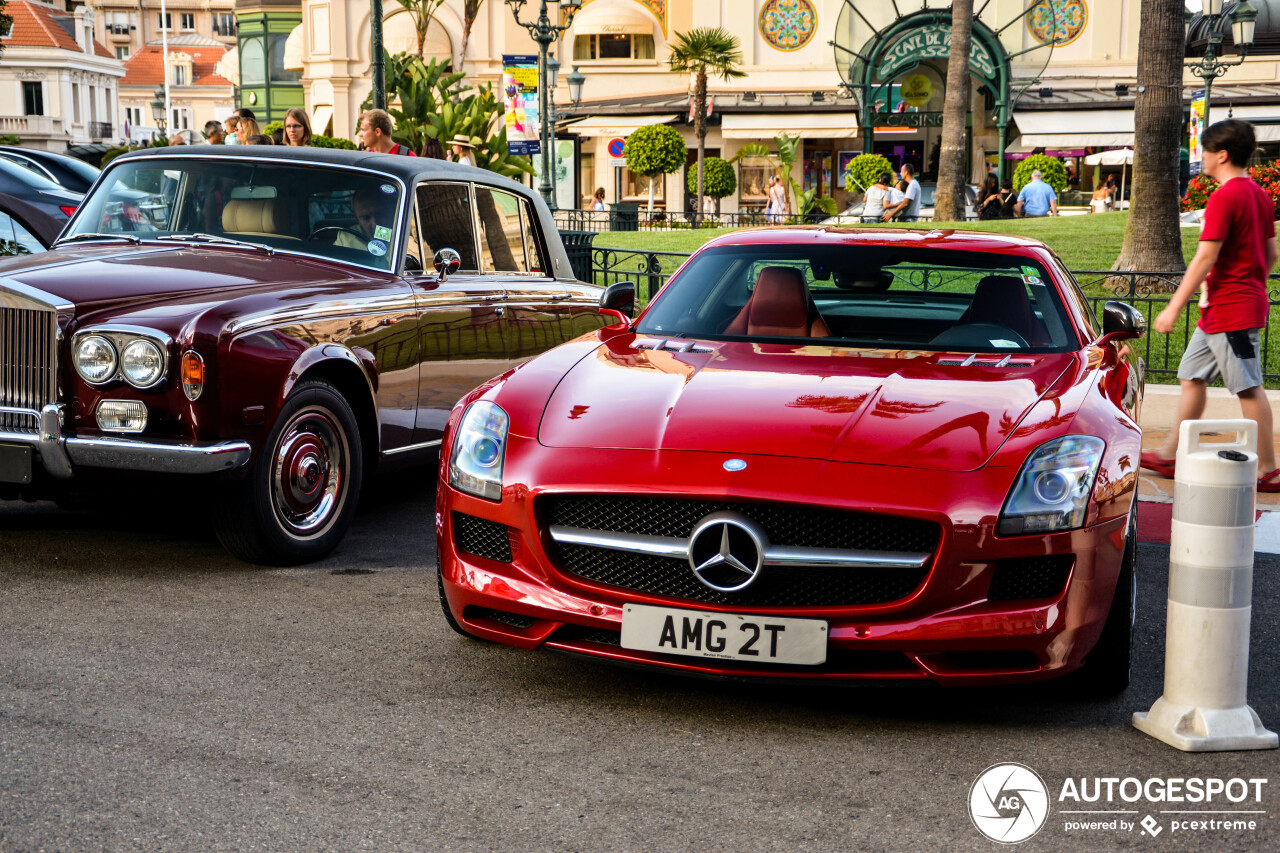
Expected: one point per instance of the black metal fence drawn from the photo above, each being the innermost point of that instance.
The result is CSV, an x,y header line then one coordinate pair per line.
x,y
1149,292
634,218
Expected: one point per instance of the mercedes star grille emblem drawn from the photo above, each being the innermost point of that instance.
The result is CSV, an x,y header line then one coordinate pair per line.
x,y
735,464
726,551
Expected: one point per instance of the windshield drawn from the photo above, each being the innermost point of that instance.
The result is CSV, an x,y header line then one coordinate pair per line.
x,y
864,296
31,178
328,212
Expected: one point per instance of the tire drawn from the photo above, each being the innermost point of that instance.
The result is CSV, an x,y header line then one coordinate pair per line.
x,y
444,604
1106,670
298,500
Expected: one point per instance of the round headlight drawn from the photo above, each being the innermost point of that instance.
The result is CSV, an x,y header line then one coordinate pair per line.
x,y
142,363
95,358
1052,487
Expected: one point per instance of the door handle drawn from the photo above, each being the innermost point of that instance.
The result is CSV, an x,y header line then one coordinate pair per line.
x,y
498,298
561,298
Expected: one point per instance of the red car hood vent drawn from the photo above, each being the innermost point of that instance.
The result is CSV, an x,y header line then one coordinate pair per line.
x,y
940,411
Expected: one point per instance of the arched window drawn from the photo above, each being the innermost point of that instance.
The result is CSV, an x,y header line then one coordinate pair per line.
x,y
253,63
613,30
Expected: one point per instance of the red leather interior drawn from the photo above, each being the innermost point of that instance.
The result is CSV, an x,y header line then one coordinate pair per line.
x,y
779,307
1003,300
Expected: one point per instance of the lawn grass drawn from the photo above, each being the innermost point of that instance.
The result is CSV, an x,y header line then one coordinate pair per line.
x,y
1089,242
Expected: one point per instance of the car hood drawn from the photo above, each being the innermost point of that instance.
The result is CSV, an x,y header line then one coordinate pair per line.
x,y
914,409
95,277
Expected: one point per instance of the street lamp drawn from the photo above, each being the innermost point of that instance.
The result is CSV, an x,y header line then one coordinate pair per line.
x,y
575,81
544,32
1210,67
157,110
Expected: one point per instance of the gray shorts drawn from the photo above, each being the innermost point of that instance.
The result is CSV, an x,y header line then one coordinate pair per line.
x,y
1209,356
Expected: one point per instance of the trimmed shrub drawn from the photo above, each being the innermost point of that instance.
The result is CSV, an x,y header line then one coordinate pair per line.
x,y
656,149
1054,172
864,169
718,179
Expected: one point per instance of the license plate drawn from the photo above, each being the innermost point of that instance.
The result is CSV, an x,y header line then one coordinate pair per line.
x,y
724,636
15,463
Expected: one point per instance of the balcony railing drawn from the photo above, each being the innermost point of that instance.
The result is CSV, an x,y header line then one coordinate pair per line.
x,y
226,31
100,129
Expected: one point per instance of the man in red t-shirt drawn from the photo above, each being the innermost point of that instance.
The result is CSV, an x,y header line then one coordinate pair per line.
x,y
1237,252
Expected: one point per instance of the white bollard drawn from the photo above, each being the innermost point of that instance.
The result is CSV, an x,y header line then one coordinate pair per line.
x,y
1205,707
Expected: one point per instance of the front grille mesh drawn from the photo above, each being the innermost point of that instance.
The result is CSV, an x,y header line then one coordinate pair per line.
x,y
1030,577
28,373
481,537
786,524
515,620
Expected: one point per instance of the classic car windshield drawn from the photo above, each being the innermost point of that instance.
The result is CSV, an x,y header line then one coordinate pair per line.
x,y
865,296
334,213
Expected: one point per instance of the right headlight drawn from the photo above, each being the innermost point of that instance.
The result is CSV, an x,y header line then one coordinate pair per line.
x,y
1052,490
95,358
142,363
479,450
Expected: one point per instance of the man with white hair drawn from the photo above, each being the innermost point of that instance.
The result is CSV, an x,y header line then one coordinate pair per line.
x,y
1037,198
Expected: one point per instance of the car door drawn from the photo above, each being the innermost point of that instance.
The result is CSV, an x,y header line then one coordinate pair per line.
x,y
461,325
538,314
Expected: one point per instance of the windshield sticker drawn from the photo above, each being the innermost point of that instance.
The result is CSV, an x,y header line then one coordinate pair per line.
x,y
1002,344
389,189
377,248
1031,280
1031,271
382,232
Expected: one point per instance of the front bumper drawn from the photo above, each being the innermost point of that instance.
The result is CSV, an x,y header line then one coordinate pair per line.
x,y
60,454
947,631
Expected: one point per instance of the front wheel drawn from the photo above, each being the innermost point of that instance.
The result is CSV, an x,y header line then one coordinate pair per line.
x,y
298,500
1106,670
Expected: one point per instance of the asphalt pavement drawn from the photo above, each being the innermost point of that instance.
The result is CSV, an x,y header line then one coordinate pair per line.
x,y
155,694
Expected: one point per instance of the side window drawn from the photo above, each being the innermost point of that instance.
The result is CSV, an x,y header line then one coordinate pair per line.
x,y
445,221
531,246
501,234
414,261
15,239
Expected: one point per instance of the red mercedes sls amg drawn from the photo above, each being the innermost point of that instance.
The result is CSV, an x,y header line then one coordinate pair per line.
x,y
819,453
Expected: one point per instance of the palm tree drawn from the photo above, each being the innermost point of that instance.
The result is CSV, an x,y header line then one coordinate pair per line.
x,y
703,51
1152,237
470,11
949,201
421,12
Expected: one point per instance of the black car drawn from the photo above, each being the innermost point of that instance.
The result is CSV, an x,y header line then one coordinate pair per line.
x,y
75,175
24,228
40,192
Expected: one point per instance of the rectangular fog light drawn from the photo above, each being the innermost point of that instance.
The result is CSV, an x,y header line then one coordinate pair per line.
x,y
122,416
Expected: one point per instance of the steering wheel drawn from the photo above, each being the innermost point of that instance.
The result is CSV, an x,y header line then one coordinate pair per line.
x,y
980,335
338,229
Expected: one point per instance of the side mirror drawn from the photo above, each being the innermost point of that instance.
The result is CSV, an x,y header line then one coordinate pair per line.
x,y
1121,322
619,300
447,263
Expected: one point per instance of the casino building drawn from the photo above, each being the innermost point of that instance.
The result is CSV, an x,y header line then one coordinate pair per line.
x,y
846,76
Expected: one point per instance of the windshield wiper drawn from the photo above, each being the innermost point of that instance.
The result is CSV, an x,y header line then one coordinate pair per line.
x,y
98,235
199,237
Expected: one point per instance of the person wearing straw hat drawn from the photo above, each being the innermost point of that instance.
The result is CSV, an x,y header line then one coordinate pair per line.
x,y
463,150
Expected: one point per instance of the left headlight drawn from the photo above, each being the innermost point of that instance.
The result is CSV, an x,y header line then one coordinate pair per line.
x,y
479,450
142,363
1052,490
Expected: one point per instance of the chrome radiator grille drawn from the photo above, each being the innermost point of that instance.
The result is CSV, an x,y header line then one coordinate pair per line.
x,y
28,366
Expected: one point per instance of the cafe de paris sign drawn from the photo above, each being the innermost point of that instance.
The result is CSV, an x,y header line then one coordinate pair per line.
x,y
932,41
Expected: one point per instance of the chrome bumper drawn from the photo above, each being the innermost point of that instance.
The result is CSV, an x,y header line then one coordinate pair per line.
x,y
59,454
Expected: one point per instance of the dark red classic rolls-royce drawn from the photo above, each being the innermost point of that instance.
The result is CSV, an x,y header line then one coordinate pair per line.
x,y
275,321
820,453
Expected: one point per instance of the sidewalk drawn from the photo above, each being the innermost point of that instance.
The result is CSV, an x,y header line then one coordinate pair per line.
x,y
1159,409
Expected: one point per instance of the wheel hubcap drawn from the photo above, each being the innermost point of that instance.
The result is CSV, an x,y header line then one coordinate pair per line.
x,y
309,473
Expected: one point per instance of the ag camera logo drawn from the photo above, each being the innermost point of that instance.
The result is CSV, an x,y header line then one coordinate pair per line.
x,y
1008,803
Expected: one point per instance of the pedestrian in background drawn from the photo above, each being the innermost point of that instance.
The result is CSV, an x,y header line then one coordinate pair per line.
x,y
213,132
432,148
375,134
297,128
246,128
876,198
990,201
598,200
1010,200
1237,251
232,124
463,150
1037,198
906,209
258,139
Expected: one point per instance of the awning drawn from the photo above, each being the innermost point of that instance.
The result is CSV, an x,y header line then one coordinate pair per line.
x,y
616,125
228,66
767,126
611,18
1263,132
294,50
320,120
1074,128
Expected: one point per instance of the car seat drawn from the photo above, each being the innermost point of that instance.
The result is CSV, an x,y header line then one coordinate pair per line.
x,y
779,307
